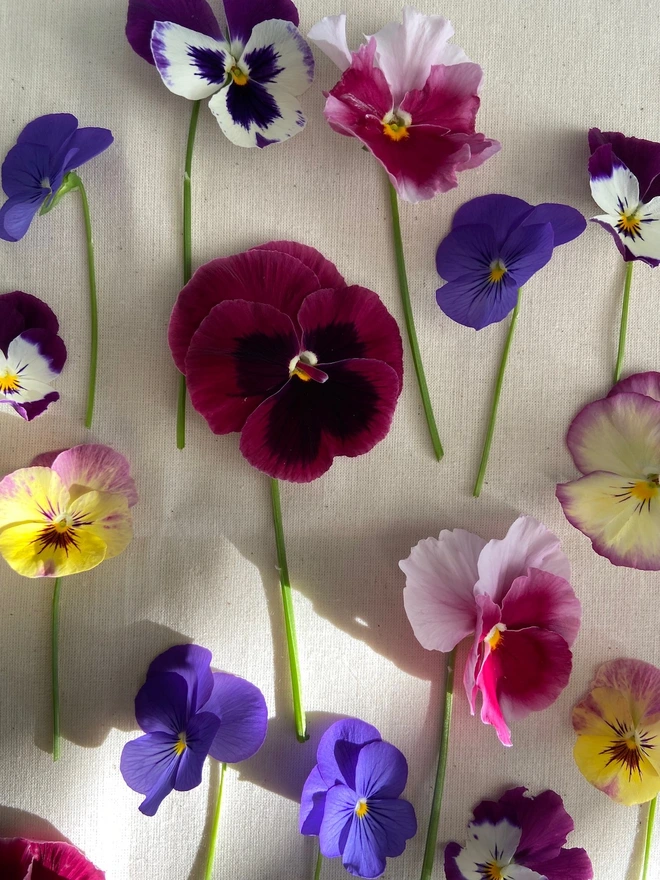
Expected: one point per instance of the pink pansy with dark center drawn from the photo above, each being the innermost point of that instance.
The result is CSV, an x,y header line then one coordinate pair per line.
x,y
22,859
514,597
275,346
411,97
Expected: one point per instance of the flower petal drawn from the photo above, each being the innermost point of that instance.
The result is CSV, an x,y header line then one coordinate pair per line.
x,y
20,547
148,765
643,244
277,55
256,115
312,803
545,827
191,65
439,593
97,467
486,843
338,818
623,689
37,355
475,301
501,212
16,215
613,185
161,704
143,14
200,731
105,515
86,144
642,157
31,409
381,832
329,35
469,248
26,172
46,860
339,748
31,495
570,864
244,17
647,384
193,664
296,433
362,94
447,99
528,544
595,764
52,131
545,600
567,223
381,771
527,250
238,357
326,272
243,715
22,311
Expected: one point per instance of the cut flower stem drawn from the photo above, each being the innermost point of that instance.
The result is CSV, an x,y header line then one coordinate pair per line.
x,y
55,670
213,843
649,827
436,804
623,329
410,325
289,619
187,260
496,400
319,865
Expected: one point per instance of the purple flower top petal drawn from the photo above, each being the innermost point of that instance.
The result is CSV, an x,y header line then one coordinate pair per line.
x,y
243,715
381,771
98,468
143,14
641,156
566,222
162,704
501,212
26,173
312,803
85,144
244,15
647,384
326,272
339,748
20,312
193,664
51,131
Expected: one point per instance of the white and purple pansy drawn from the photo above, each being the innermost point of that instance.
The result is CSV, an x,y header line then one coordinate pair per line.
x,y
31,355
625,184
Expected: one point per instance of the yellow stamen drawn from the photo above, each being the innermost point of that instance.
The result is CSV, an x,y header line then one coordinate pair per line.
x,y
299,373
9,383
240,78
494,637
361,808
493,872
497,271
181,744
630,224
396,131
644,490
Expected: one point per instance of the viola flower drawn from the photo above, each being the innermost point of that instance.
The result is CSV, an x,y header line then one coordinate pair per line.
x,y
275,346
614,443
22,859
46,151
351,799
254,79
411,97
496,244
518,837
32,355
67,512
188,713
514,598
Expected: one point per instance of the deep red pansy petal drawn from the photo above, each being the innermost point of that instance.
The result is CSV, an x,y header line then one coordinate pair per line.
x,y
363,89
350,323
324,270
238,357
295,434
262,276
448,99
543,599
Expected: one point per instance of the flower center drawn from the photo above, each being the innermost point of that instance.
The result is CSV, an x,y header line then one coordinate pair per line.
x,y
181,744
395,125
629,224
60,534
643,491
629,748
9,383
304,367
491,871
494,637
361,808
239,77
497,271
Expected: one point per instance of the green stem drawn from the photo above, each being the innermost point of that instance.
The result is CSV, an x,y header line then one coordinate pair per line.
x,y
649,825
319,865
213,845
55,671
187,260
623,329
410,325
289,620
496,400
434,818
93,304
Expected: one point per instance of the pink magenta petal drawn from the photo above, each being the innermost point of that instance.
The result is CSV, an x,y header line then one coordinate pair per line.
x,y
647,384
363,89
488,616
545,600
528,544
295,434
326,272
22,859
350,323
263,276
93,467
238,357
439,594
448,99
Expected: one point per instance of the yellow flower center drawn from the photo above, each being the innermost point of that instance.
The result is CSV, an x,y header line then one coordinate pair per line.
x,y
181,744
628,748
307,357
643,491
629,224
494,637
9,383
60,534
497,271
492,871
361,808
240,78
396,131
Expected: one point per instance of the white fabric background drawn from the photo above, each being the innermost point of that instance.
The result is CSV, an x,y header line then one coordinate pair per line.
x,y
201,566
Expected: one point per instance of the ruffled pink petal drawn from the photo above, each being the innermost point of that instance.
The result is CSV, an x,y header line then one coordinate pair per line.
x,y
439,594
326,272
265,276
15,857
647,384
448,99
488,615
528,544
362,94
491,712
543,600
22,859
93,467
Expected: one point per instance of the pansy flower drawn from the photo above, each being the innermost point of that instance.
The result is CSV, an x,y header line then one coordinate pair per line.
x,y
32,355
615,443
518,837
496,244
22,859
351,799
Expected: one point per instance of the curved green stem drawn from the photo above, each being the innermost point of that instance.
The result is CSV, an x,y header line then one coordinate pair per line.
x,y
319,865
213,844
649,826
623,329
187,260
55,671
410,325
289,619
436,804
496,401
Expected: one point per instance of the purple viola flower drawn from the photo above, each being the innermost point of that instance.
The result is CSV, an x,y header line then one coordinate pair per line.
x,y
253,78
31,355
187,713
351,799
496,244
35,168
518,837
625,184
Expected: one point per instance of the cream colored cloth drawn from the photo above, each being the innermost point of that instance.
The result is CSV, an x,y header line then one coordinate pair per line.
x,y
202,565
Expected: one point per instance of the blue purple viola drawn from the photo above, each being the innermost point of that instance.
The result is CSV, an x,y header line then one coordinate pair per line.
x,y
188,713
497,242
351,799
253,78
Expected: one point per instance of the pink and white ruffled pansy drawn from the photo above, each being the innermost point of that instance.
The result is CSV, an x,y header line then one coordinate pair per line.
x,y
411,97
625,184
513,597
615,443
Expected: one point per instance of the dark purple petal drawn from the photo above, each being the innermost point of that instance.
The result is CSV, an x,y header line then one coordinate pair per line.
x,y
325,271
381,771
642,157
51,348
31,410
161,704
26,172
142,14
295,434
570,864
192,663
339,748
243,15
199,732
477,302
20,312
252,105
381,832
452,871
148,765
501,212
16,215
312,803
527,250
544,822
469,248
566,222
243,715
51,131
85,144
340,803
238,357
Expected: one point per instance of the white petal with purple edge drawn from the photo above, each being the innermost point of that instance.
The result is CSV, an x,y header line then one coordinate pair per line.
x,y
191,65
641,232
488,845
276,55
25,357
329,35
279,117
616,193
520,872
